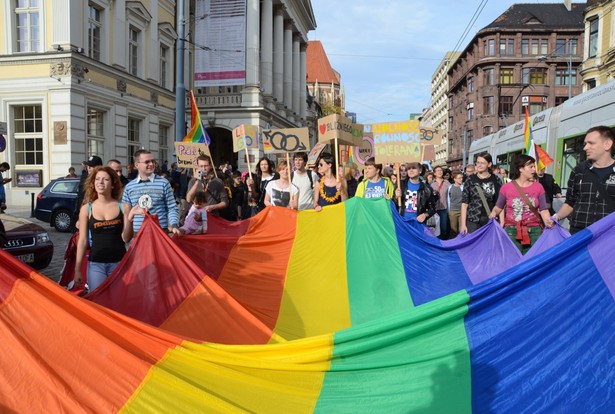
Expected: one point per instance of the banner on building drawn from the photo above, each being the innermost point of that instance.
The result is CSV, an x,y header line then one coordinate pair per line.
x,y
340,127
402,141
286,140
245,137
220,60
187,153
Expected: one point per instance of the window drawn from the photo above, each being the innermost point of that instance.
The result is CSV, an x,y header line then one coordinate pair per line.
x,y
560,47
535,76
163,143
470,112
487,130
27,25
593,38
133,51
94,32
96,133
488,105
560,100
561,77
591,83
507,47
134,126
506,105
471,84
489,47
525,46
450,123
507,76
536,107
573,46
469,139
539,46
164,53
28,123
488,76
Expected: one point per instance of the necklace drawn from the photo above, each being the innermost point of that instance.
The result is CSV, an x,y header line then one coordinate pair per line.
x,y
324,196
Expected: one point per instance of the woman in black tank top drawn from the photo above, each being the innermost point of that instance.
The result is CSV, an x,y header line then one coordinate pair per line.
x,y
105,225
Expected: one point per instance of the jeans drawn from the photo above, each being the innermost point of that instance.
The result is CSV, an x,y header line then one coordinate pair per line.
x,y
98,272
444,224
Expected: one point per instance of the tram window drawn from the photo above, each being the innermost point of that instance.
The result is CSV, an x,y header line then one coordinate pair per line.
x,y
502,160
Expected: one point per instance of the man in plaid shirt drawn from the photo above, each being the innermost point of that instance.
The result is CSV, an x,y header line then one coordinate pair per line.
x,y
591,187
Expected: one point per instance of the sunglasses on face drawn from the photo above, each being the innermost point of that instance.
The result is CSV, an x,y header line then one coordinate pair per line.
x,y
147,162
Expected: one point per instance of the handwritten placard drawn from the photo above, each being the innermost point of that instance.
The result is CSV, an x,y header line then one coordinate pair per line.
x,y
340,127
286,140
401,141
245,136
187,153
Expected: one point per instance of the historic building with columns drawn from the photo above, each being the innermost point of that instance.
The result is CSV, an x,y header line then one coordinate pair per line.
x,y
274,94
83,78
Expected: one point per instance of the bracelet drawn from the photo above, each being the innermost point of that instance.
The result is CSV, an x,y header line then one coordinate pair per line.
x,y
557,217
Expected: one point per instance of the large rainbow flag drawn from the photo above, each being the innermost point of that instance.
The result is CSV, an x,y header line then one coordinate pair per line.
x,y
385,318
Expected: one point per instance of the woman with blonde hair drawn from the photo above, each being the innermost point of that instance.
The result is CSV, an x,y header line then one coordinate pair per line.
x,y
105,224
282,192
351,171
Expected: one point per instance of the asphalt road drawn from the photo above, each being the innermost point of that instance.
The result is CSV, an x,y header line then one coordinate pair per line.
x,y
60,241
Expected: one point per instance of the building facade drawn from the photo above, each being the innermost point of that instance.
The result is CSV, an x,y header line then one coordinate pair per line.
x,y
80,79
599,55
529,56
274,94
439,105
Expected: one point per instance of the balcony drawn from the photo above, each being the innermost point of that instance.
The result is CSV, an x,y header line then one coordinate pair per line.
x,y
217,100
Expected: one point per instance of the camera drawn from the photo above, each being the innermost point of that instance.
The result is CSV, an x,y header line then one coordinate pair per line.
x,y
199,174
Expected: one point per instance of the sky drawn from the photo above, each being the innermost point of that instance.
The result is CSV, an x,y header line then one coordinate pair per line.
x,y
387,50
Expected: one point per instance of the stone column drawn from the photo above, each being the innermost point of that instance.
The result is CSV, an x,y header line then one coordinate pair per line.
x,y
251,91
288,65
278,55
303,82
267,47
296,75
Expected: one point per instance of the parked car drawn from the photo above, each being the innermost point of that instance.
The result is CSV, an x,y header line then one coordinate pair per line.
x,y
56,203
27,241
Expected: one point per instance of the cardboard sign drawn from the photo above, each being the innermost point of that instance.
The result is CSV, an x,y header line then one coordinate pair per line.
x,y
245,136
364,151
187,153
340,127
277,141
429,153
401,141
315,153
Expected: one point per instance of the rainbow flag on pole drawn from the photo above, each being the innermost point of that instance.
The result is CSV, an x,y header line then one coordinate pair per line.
x,y
197,133
540,155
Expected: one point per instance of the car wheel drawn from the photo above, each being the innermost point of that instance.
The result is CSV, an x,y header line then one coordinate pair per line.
x,y
62,220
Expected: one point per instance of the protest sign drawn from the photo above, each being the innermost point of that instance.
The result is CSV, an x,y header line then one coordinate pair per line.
x,y
341,128
245,137
285,140
187,153
401,141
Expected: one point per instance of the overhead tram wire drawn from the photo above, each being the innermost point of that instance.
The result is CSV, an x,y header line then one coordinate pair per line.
x,y
477,12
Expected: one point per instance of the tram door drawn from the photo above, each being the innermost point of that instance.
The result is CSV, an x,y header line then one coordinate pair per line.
x,y
573,154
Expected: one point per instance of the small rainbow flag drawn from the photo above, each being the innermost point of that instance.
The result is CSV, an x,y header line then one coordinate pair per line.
x,y
540,155
197,133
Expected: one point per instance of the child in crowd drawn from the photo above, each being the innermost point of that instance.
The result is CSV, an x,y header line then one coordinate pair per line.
x,y
196,220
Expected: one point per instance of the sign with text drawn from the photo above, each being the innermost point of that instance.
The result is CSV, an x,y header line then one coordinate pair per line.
x,y
364,151
315,153
245,136
340,127
187,153
286,140
401,141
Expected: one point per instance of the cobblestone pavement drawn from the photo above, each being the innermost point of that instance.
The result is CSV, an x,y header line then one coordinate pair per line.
x,y
60,241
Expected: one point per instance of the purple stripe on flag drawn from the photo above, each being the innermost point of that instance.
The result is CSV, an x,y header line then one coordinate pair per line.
x,y
601,249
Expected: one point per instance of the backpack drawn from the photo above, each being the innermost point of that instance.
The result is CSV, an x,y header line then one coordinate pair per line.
x,y
310,177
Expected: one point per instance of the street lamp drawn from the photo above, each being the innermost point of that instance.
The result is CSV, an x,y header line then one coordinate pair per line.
x,y
569,63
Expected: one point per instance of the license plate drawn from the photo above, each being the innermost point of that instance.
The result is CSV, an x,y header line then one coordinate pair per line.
x,y
26,258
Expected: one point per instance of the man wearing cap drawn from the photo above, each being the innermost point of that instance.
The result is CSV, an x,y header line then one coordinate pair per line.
x,y
90,164
152,192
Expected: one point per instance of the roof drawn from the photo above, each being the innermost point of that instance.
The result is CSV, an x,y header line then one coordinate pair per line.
x,y
318,67
540,16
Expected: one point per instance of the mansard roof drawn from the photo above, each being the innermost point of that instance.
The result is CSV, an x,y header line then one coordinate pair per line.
x,y
545,16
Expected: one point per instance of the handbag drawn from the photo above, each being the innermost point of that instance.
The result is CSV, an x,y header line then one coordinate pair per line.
x,y
526,200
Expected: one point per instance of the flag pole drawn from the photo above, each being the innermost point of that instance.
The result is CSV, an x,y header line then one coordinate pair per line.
x,y
398,183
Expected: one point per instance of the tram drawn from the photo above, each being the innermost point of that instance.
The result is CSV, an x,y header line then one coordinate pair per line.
x,y
560,130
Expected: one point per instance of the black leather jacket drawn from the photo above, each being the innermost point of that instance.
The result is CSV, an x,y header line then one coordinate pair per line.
x,y
426,200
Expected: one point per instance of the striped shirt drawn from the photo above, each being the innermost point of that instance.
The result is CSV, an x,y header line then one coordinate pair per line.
x,y
163,201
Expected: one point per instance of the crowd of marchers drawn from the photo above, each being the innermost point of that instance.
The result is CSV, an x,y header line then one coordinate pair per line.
x,y
111,207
